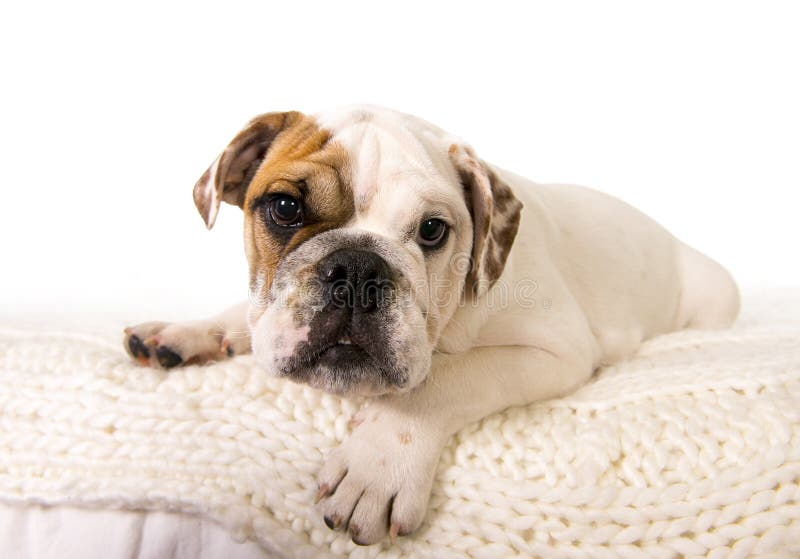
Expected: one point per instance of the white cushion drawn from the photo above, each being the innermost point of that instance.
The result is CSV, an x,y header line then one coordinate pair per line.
x,y
691,447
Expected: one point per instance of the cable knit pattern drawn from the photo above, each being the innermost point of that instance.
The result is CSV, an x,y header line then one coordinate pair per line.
x,y
690,448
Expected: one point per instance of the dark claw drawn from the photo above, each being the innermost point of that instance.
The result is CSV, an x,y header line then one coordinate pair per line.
x,y
355,531
167,358
329,523
137,347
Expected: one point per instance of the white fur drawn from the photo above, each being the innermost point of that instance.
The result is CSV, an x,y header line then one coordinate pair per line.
x,y
264,333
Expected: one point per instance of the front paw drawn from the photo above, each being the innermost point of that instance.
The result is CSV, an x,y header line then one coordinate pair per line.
x,y
378,482
167,345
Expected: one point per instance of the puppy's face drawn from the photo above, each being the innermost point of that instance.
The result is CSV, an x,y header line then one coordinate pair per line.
x,y
360,235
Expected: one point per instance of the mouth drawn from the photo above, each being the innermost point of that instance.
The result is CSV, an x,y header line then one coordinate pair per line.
x,y
342,353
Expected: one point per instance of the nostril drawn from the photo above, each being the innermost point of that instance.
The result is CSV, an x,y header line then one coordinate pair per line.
x,y
335,272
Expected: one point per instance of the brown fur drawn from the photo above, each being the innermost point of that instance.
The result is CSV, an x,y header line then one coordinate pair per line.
x,y
280,153
301,162
236,165
496,214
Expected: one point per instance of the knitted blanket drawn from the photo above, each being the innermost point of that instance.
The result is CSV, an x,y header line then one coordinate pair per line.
x,y
689,448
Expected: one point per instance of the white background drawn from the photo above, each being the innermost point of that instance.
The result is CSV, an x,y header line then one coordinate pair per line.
x,y
688,110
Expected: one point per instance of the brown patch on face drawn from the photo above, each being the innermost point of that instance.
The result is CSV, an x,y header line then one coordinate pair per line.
x,y
404,437
304,163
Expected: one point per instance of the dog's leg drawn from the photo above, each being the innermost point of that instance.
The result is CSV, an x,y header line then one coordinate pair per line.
x,y
169,344
379,480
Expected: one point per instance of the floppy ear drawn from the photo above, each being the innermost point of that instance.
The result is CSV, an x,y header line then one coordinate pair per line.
x,y
229,175
495,217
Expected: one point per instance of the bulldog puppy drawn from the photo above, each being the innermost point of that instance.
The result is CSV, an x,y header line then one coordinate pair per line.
x,y
387,259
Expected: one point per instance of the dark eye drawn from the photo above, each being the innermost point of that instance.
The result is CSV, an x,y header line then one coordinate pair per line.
x,y
431,232
285,210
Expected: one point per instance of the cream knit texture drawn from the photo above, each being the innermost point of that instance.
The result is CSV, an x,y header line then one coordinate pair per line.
x,y
689,448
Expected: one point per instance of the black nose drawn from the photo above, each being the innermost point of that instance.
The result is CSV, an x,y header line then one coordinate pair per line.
x,y
356,279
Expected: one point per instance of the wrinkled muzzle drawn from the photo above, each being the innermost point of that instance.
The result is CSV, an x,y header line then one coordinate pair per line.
x,y
340,316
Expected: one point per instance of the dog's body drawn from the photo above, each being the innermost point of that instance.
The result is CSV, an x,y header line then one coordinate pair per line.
x,y
508,306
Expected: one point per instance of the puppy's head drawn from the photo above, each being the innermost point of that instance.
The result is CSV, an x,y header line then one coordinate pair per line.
x,y
364,231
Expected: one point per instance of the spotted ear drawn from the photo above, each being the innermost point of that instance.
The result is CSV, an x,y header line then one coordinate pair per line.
x,y
229,175
495,217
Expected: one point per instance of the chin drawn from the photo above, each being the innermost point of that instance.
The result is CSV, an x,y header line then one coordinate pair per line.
x,y
343,369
